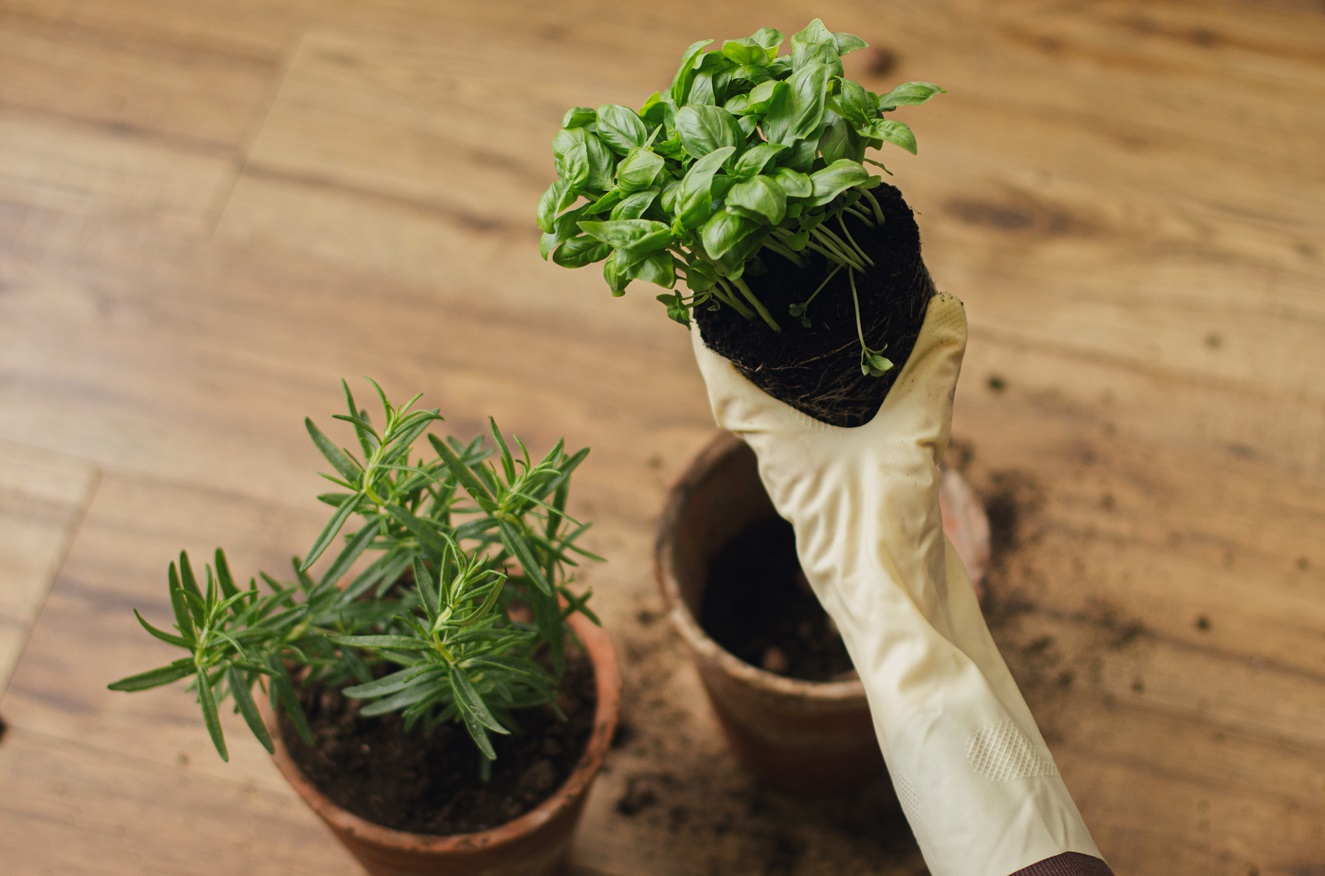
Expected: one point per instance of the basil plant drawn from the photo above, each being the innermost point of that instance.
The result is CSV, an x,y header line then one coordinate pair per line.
x,y
747,153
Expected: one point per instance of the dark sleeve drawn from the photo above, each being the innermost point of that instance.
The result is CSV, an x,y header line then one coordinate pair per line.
x,y
1067,864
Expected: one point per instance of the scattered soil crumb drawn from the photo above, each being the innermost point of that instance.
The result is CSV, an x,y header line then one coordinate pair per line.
x,y
1138,685
639,796
1203,623
1303,563
1214,340
655,462
996,383
625,734
879,60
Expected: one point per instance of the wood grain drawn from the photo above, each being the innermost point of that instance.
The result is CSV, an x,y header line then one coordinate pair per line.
x,y
42,498
212,212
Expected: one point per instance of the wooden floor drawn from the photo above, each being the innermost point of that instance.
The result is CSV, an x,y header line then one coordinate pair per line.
x,y
211,211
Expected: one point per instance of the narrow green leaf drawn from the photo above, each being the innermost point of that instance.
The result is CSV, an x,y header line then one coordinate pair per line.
x,y
393,643
463,475
424,531
329,532
180,605
239,689
284,697
389,684
169,638
155,677
223,575
513,539
470,702
209,716
351,552
334,454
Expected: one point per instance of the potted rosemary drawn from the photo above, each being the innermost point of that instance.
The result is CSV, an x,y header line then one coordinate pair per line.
x,y
747,180
744,189
432,684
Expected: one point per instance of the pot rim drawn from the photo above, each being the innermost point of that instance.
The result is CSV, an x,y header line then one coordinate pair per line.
x,y
607,682
705,647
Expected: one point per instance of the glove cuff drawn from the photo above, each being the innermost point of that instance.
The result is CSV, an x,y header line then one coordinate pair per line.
x,y
1067,864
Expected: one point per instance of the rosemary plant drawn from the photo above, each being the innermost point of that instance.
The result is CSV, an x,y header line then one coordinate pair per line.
x,y
445,598
747,155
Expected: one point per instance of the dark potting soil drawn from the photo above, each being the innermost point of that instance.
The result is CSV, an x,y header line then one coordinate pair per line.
x,y
427,781
817,370
758,606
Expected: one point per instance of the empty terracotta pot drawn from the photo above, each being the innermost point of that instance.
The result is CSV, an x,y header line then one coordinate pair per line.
x,y
535,844
798,736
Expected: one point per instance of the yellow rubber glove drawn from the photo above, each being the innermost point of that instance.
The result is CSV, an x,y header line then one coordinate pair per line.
x,y
970,767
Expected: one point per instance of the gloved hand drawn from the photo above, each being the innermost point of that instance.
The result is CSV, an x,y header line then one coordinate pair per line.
x,y
974,776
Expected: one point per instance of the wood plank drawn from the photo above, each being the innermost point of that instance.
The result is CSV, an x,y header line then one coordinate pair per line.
x,y
68,808
193,78
56,172
42,498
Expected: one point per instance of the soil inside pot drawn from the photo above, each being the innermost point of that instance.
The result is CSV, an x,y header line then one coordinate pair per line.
x,y
758,606
427,781
817,369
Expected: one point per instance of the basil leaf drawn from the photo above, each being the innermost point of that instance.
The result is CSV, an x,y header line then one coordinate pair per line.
x,y
634,206
758,198
694,199
580,251
620,128
835,179
897,133
815,45
705,129
659,268
639,169
558,197
908,94
577,116
753,161
570,157
639,236
685,73
794,183
797,112
840,141
768,37
854,103
745,51
723,232
700,276
848,43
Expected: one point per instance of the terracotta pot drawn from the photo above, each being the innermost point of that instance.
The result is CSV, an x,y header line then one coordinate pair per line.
x,y
797,736
535,844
